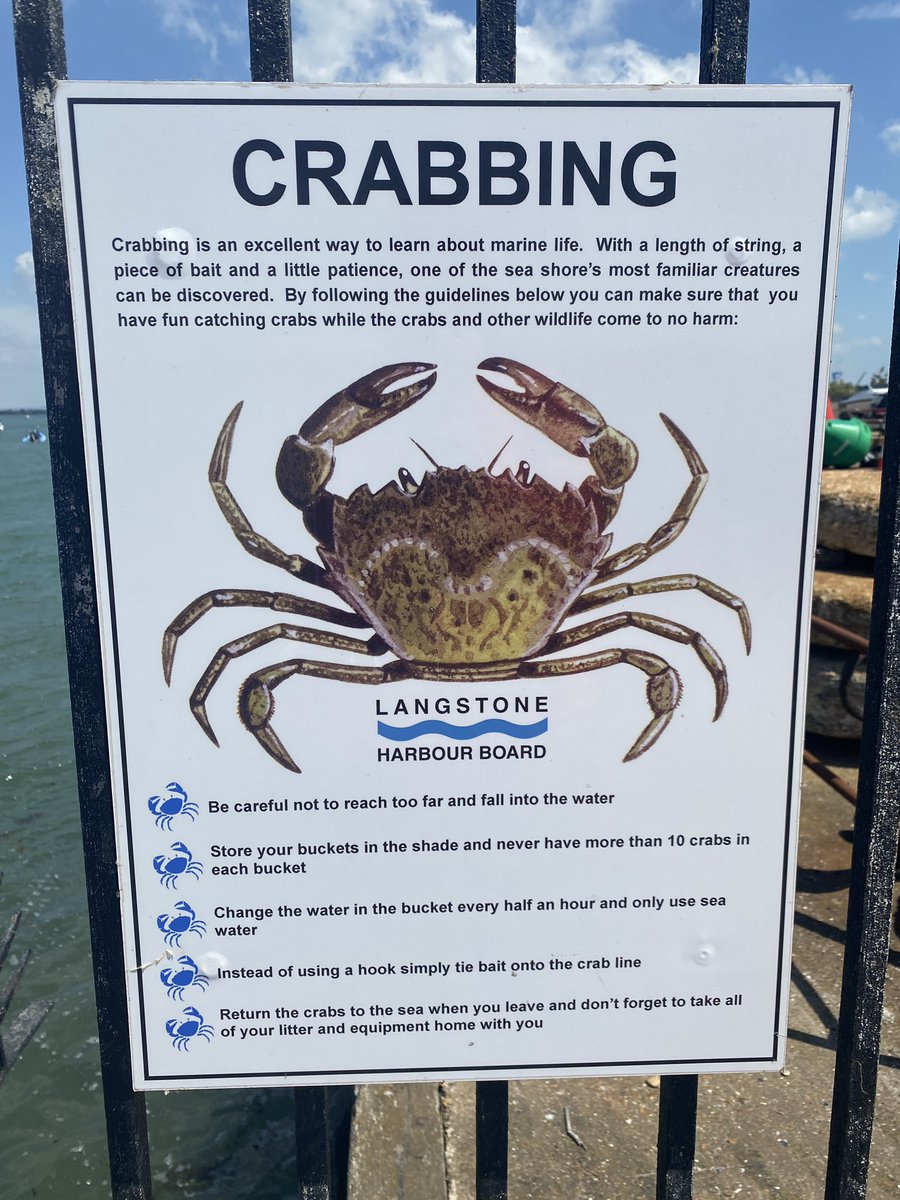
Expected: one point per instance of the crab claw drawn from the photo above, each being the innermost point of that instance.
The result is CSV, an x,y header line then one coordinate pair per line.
x,y
306,460
366,403
566,417
256,706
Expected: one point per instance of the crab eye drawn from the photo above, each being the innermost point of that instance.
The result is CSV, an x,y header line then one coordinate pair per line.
x,y
407,482
523,472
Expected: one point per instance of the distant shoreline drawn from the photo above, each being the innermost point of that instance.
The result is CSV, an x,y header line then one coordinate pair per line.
x,y
23,412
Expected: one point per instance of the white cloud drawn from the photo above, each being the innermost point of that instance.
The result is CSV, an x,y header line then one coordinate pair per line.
x,y
890,135
20,348
24,268
415,41
401,41
630,62
788,74
579,18
842,347
870,277
201,21
19,339
407,41
876,12
868,214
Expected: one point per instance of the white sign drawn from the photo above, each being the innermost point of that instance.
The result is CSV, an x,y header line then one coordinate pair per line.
x,y
505,403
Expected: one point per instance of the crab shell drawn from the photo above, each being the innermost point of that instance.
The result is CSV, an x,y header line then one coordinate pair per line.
x,y
469,568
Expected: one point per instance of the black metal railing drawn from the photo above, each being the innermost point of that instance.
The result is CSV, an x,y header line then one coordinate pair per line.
x,y
723,57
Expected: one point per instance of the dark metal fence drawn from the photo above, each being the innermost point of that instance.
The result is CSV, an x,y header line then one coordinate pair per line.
x,y
40,49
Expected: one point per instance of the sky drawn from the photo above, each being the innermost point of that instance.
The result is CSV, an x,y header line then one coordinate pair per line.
x,y
433,41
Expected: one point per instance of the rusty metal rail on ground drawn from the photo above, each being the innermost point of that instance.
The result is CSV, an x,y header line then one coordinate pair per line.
x,y
853,641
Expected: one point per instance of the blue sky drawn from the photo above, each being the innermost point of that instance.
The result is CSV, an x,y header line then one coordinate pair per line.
x,y
559,41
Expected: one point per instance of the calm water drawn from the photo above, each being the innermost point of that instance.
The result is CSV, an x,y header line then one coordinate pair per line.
x,y
52,1138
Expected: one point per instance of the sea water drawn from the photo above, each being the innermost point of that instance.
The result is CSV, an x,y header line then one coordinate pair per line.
x,y
52,1132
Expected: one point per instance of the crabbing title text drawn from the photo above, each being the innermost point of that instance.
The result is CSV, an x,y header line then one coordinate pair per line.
x,y
502,173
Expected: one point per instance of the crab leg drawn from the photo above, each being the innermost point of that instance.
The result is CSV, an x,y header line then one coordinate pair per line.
x,y
568,419
599,597
306,461
663,685
252,641
633,555
254,543
256,705
660,626
249,598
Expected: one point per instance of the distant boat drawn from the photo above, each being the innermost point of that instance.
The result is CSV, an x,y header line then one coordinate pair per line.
x,y
35,435
864,403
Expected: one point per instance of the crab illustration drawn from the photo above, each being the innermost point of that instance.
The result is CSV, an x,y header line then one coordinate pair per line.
x,y
174,866
465,576
184,975
182,1033
175,926
166,808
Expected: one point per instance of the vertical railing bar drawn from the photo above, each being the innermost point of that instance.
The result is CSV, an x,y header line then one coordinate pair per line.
x,y
495,41
874,840
677,1137
314,1144
724,31
724,28
272,61
271,52
41,60
495,62
491,1140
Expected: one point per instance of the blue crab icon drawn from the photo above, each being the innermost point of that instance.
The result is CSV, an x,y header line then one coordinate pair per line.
x,y
183,1032
183,975
178,924
176,804
173,866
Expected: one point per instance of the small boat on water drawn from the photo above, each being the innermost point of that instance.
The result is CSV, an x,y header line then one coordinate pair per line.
x,y
35,435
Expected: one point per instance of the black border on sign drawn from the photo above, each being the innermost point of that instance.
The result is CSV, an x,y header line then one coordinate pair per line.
x,y
487,1070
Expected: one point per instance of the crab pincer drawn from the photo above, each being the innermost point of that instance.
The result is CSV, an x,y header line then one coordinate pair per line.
x,y
564,416
306,461
366,403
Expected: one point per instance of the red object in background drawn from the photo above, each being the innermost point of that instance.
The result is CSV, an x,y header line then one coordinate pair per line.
x,y
829,411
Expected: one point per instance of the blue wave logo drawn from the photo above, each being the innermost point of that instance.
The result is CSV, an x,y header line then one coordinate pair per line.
x,y
460,733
